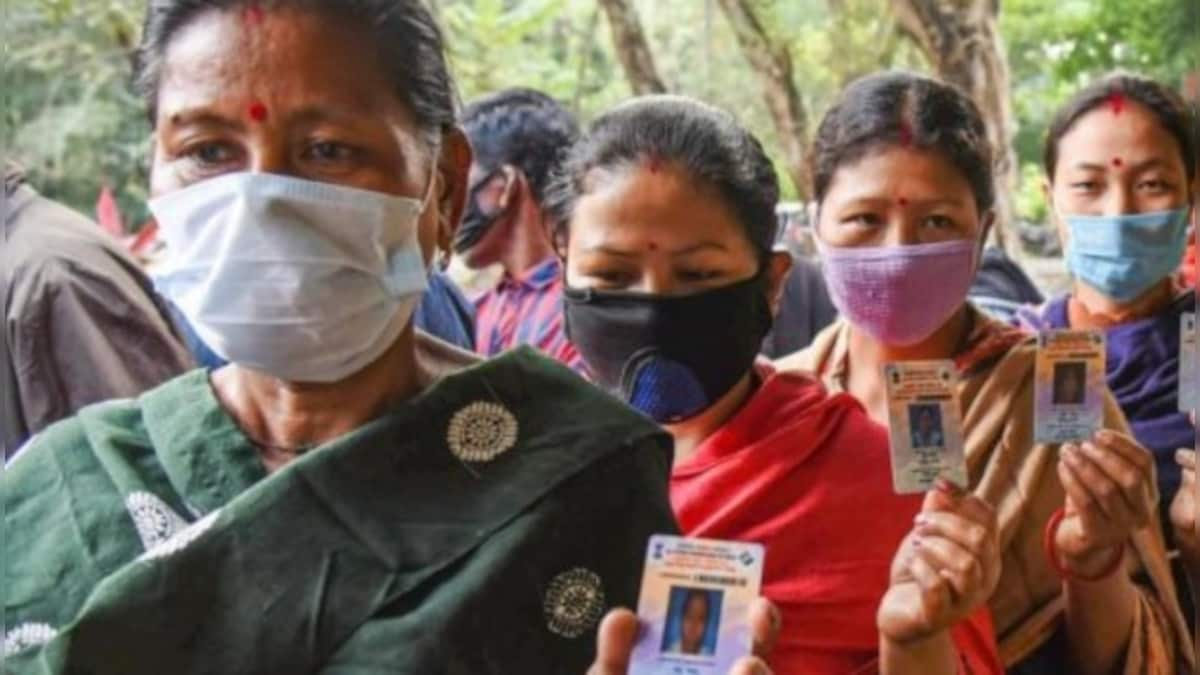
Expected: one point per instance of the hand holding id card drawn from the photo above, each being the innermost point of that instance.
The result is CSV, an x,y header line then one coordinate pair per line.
x,y
695,604
925,425
1069,385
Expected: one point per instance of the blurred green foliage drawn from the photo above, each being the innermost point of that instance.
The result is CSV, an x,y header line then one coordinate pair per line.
x,y
71,119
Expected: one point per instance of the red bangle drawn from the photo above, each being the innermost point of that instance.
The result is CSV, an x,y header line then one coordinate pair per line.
x,y
1052,554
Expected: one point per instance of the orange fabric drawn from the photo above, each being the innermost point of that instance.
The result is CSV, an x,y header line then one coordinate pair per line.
x,y
808,475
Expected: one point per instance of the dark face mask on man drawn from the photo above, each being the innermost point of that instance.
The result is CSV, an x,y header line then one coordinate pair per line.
x,y
670,357
476,221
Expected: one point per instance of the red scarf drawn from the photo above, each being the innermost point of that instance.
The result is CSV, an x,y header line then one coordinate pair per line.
x,y
808,476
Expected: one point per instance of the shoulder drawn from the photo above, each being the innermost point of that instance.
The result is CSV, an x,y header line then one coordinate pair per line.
x,y
59,250
815,358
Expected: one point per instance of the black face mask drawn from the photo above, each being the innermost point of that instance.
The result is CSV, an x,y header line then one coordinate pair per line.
x,y
670,357
476,222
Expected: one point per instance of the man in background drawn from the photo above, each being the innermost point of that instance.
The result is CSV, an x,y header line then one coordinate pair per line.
x,y
82,323
519,137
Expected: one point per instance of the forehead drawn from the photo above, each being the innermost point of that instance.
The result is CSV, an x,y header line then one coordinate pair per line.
x,y
1131,128
666,203
284,57
893,171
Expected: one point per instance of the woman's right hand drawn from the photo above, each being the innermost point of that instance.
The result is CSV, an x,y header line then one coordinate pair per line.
x,y
945,569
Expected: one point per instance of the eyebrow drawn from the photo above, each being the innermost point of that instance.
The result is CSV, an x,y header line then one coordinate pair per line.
x,y
1151,163
687,250
307,114
202,117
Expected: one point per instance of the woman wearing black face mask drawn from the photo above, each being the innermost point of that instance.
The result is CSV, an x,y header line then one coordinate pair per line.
x,y
667,219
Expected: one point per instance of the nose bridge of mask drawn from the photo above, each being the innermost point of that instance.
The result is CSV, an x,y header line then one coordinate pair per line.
x,y
1129,235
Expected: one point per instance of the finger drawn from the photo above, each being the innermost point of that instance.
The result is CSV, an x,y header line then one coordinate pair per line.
x,y
1125,447
1186,459
1106,493
969,534
954,563
935,590
765,624
1085,504
614,643
750,666
1131,480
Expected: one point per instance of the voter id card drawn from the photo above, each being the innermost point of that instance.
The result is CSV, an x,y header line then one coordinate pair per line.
x,y
1189,364
925,425
1069,386
695,605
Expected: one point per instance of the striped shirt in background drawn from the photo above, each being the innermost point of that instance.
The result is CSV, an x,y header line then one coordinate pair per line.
x,y
526,310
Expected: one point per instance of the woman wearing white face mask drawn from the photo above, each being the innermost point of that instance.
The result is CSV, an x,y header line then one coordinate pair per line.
x,y
348,495
902,173
1120,167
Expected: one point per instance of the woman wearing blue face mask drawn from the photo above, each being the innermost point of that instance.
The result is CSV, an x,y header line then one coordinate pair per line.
x,y
348,495
903,181
1120,165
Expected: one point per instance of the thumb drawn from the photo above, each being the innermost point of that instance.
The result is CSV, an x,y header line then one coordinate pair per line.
x,y
614,643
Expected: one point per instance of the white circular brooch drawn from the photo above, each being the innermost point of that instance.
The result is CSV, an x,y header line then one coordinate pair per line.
x,y
154,520
481,431
574,602
26,636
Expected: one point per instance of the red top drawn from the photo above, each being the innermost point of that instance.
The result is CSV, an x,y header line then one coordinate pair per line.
x,y
808,475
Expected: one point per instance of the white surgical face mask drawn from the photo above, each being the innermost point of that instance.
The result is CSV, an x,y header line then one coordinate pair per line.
x,y
305,281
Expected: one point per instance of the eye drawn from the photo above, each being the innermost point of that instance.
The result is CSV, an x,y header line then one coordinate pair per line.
x,y
210,153
863,220
698,275
330,151
1154,185
940,222
611,278
1085,186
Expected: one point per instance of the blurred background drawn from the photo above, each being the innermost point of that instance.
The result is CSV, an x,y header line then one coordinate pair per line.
x,y
70,117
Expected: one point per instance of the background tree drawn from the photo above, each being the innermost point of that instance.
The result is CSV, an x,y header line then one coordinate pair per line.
x,y
70,118
772,63
632,48
961,41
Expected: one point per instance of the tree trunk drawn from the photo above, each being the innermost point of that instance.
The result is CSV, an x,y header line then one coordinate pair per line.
x,y
961,41
632,48
772,64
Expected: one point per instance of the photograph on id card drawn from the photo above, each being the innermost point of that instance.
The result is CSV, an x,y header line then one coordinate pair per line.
x,y
695,605
1069,385
925,425
1189,364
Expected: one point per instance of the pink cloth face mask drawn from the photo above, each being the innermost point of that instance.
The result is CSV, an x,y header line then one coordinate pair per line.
x,y
899,295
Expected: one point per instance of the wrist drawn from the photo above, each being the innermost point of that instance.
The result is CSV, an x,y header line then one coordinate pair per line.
x,y
1080,563
1093,563
928,653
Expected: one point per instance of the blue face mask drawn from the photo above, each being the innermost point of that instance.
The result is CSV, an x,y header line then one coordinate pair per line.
x,y
1123,256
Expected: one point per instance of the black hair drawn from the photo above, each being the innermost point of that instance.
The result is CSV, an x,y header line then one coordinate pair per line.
x,y
407,36
901,109
1116,89
694,593
524,128
707,143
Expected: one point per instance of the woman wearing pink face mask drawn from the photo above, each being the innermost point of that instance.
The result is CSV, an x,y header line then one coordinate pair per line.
x,y
903,182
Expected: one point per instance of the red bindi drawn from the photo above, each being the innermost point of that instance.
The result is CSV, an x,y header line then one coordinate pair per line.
x,y
253,14
1117,161
1116,101
654,163
906,134
653,246
903,202
257,112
